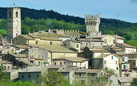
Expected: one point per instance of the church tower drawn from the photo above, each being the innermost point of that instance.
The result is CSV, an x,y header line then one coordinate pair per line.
x,y
13,23
92,24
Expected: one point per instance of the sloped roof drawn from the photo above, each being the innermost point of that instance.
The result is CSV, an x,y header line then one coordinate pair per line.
x,y
38,59
100,51
103,56
134,53
125,45
101,36
94,70
22,46
53,48
72,33
44,37
27,37
92,40
125,79
119,37
73,59
19,55
27,62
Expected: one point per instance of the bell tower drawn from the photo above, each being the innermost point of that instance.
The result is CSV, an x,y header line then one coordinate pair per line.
x,y
92,24
13,23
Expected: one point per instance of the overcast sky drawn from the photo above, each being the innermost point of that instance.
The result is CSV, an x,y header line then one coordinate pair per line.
x,y
116,9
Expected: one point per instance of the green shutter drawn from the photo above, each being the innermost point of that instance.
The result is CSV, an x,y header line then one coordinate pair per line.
x,y
77,45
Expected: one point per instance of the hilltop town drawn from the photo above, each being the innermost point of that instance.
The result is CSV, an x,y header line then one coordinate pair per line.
x,y
78,56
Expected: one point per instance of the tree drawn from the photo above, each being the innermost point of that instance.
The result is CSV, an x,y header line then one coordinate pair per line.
x,y
134,82
19,83
3,77
52,78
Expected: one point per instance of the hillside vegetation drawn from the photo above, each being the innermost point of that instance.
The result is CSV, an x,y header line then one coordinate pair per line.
x,y
35,20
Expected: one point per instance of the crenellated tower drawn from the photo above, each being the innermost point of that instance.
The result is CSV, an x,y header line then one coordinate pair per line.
x,y
92,24
13,22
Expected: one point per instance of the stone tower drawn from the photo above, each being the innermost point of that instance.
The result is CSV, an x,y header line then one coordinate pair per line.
x,y
92,24
13,23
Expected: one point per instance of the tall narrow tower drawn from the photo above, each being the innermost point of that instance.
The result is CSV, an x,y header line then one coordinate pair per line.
x,y
92,23
13,22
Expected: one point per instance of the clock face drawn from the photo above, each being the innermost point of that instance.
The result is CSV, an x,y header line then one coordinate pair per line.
x,y
17,23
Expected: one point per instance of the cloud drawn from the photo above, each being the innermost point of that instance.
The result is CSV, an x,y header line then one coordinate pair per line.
x,y
134,1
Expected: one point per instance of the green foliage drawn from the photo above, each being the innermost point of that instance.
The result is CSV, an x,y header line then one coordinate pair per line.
x,y
134,82
52,78
3,76
19,83
3,31
79,83
132,42
110,71
34,25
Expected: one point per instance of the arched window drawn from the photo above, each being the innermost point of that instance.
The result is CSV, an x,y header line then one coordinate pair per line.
x,y
10,14
16,14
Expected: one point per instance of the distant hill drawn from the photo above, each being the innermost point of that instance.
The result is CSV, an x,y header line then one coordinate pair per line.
x,y
38,14
35,20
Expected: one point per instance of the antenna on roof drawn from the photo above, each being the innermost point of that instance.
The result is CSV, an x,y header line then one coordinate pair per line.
x,y
14,4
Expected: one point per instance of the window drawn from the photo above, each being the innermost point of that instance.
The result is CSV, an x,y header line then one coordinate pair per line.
x,y
50,43
55,63
37,75
105,62
117,68
64,44
80,74
101,43
113,41
16,14
60,63
116,62
36,42
124,67
105,40
64,62
77,45
112,57
29,76
10,14
39,63
86,43
123,59
22,76
133,63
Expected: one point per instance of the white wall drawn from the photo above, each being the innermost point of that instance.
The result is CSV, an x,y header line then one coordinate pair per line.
x,y
110,62
120,41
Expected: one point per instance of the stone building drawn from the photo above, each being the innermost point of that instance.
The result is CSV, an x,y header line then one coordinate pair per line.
x,y
36,39
73,45
13,23
92,25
